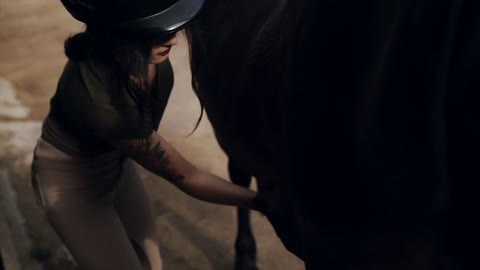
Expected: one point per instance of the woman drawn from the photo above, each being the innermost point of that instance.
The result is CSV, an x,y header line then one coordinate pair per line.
x,y
108,104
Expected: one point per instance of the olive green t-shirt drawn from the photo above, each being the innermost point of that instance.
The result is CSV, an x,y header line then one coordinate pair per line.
x,y
83,110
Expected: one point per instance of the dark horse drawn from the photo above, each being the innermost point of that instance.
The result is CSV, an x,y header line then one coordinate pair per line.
x,y
357,118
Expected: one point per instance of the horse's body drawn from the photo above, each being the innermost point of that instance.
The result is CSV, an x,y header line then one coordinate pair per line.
x,y
357,120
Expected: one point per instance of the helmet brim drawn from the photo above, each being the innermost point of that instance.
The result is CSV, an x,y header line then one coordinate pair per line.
x,y
173,19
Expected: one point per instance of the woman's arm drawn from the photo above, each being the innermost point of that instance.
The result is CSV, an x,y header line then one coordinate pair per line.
x,y
159,157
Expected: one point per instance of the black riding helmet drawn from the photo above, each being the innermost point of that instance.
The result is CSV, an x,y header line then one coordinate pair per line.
x,y
143,17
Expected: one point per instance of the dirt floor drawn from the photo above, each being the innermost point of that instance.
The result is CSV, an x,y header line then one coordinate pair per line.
x,y
195,235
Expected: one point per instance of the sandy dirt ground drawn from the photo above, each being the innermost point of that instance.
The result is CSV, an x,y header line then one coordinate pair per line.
x,y
194,235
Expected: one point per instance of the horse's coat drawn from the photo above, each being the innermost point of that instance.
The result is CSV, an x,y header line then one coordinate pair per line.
x,y
359,119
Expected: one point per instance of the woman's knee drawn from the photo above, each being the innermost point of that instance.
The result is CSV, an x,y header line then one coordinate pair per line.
x,y
148,253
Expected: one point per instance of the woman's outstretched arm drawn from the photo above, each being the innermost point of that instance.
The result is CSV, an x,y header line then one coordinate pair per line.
x,y
159,157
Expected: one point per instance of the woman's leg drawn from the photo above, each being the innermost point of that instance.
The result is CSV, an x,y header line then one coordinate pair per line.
x,y
78,201
135,211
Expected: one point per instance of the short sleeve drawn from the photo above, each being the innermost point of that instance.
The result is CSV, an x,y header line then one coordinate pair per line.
x,y
86,103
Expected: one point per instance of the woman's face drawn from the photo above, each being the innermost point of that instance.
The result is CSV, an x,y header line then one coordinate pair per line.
x,y
161,49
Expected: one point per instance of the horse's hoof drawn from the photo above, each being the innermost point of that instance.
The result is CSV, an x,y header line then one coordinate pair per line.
x,y
245,263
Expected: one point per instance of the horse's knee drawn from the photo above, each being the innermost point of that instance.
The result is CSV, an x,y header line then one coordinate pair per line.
x,y
245,243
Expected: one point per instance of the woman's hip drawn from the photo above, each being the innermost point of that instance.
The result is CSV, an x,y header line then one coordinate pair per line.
x,y
57,176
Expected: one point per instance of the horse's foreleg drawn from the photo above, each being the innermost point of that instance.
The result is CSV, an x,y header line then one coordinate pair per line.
x,y
245,249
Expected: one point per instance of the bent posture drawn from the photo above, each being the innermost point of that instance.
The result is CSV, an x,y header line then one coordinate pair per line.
x,y
104,115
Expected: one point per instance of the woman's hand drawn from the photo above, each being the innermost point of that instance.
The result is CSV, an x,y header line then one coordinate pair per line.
x,y
259,203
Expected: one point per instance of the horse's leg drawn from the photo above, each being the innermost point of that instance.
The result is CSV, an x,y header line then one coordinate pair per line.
x,y
245,249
